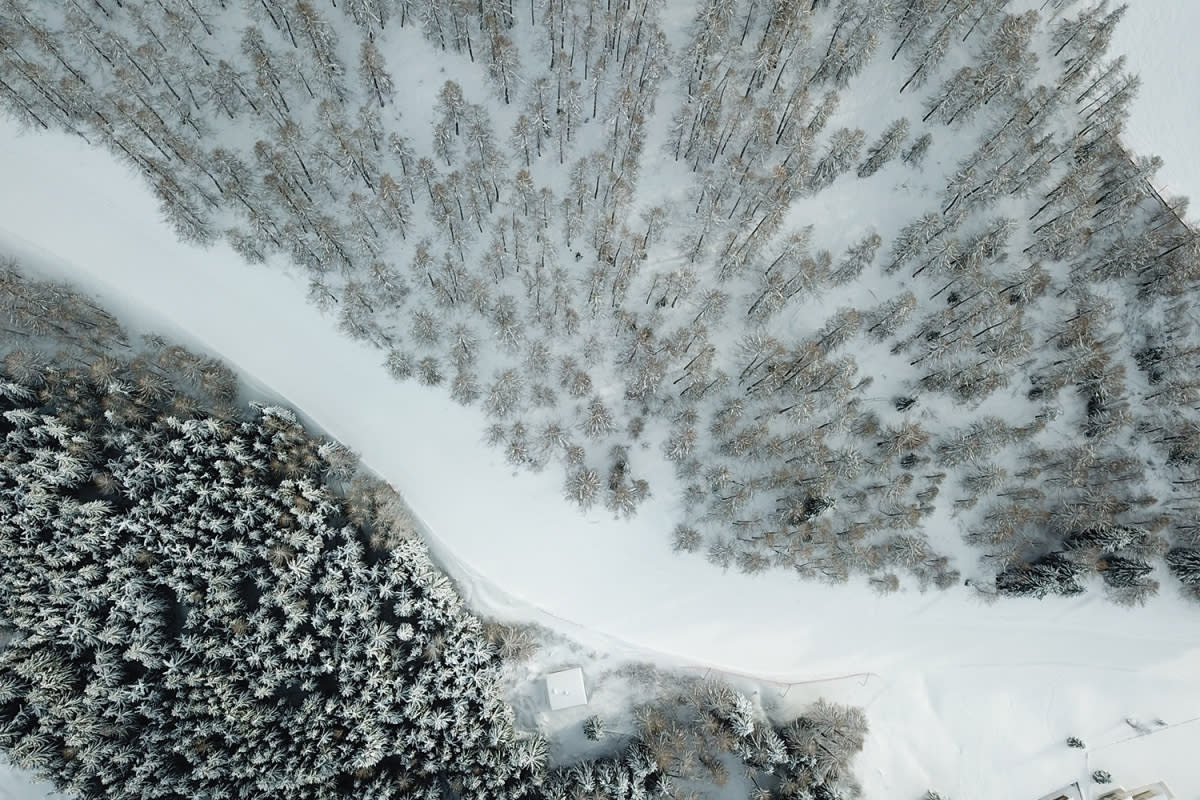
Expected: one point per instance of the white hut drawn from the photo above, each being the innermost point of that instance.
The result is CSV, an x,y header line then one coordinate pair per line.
x,y
1069,792
565,689
1151,791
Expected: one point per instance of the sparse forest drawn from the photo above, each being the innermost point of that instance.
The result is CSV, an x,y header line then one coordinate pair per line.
x,y
633,241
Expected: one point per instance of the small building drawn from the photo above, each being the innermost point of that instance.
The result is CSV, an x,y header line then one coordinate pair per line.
x,y
1069,792
1151,791
565,689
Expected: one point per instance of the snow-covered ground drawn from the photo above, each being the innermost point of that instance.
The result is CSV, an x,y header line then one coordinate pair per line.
x,y
1159,39
972,700
16,784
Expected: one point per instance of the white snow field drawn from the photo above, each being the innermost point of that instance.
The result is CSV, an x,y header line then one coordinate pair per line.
x,y
1159,39
17,785
974,701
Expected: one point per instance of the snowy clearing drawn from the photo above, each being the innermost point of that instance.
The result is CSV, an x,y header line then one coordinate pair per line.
x,y
15,784
1160,41
962,697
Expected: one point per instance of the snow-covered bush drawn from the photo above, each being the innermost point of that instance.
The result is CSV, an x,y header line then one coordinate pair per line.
x,y
685,538
514,642
820,744
1185,565
593,728
691,741
1105,538
1053,573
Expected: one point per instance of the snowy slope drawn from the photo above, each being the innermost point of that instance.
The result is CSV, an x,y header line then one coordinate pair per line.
x,y
1159,39
972,700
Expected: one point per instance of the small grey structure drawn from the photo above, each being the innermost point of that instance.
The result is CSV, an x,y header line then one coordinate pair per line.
x,y
1151,791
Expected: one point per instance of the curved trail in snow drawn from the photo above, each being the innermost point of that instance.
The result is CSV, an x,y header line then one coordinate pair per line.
x,y
977,680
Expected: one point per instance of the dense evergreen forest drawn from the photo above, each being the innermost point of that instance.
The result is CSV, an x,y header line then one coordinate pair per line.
x,y
639,234
202,602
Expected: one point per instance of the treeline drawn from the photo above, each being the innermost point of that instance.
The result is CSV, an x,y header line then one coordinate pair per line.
x,y
352,197
982,296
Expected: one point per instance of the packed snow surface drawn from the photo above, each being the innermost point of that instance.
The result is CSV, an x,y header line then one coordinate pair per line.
x,y
16,784
972,700
1159,39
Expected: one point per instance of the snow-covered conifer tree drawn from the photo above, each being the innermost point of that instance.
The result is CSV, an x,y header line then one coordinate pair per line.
x,y
885,148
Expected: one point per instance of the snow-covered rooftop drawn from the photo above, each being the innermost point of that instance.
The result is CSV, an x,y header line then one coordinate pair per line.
x,y
565,689
1153,791
1071,792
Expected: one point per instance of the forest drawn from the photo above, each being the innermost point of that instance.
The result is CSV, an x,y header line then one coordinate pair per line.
x,y
690,249
201,601
872,290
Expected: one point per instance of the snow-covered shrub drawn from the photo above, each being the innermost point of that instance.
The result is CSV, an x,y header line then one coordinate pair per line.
x,y
583,486
593,728
732,709
1105,538
1122,573
1184,563
686,538
514,642
1053,573
884,148
885,584
720,553
821,744
694,738
915,154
